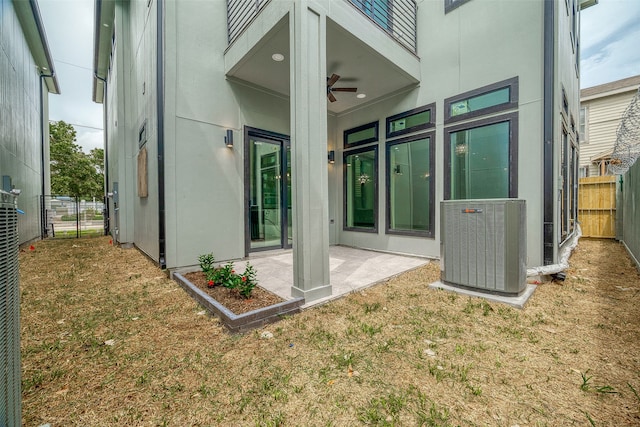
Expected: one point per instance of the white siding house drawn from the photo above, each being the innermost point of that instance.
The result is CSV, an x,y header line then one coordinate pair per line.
x,y
601,109
451,99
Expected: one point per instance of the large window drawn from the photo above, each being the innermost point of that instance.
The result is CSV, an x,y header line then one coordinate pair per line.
x,y
410,185
361,189
481,159
485,100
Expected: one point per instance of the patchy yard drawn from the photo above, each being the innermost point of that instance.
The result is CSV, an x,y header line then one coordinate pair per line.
x,y
107,339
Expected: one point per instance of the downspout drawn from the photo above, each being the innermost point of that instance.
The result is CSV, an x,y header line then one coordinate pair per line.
x,y
160,132
42,160
106,154
548,194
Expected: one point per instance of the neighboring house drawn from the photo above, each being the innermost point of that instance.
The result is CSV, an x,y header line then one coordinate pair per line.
x,y
601,109
219,123
26,78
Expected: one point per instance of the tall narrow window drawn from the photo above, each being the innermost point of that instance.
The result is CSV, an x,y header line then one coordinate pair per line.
x,y
479,159
410,185
361,189
582,126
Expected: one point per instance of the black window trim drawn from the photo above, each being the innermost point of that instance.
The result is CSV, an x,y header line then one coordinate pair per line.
x,y
432,120
430,233
373,230
347,132
511,83
450,5
512,118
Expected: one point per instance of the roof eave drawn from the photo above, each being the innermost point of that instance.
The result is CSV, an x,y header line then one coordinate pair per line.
x,y
103,34
31,21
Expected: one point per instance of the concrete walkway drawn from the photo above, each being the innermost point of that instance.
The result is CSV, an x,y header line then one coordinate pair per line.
x,y
351,269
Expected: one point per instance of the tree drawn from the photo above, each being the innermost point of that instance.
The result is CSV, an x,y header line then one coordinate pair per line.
x,y
74,173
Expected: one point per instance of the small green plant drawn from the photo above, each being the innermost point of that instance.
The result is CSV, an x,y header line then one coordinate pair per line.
x,y
585,381
226,276
247,281
206,262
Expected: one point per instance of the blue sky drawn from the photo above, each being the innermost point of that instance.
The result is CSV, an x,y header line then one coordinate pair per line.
x,y
610,50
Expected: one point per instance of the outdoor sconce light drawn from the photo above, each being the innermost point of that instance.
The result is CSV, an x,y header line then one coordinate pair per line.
x,y
332,157
228,140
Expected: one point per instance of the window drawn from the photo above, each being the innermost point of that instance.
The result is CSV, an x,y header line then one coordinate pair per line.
x,y
410,185
582,126
361,135
411,121
481,159
584,172
486,100
450,5
378,10
361,189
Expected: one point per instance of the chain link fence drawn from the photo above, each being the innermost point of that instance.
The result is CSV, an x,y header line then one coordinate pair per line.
x,y
72,217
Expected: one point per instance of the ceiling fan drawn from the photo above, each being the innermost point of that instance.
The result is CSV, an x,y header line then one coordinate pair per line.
x,y
330,89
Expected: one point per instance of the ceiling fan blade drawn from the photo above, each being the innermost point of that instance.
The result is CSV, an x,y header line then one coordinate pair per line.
x,y
331,97
344,89
333,79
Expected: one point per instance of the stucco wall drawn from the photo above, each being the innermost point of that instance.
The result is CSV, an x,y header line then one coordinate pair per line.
x,y
458,54
20,128
205,179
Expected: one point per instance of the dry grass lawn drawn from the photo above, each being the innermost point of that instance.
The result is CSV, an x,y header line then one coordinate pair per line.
x,y
107,340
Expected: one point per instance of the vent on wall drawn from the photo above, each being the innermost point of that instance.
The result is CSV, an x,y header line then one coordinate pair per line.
x,y
484,244
10,397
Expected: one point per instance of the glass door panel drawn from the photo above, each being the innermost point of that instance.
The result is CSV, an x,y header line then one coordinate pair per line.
x,y
265,193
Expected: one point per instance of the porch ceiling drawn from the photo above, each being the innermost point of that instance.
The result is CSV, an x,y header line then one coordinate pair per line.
x,y
357,64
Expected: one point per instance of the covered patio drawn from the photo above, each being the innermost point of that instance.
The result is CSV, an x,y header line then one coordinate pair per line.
x,y
351,270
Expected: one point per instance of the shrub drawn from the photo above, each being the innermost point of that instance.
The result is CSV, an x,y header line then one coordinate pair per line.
x,y
206,262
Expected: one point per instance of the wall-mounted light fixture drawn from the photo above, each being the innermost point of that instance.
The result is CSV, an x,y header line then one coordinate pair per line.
x,y
332,157
228,140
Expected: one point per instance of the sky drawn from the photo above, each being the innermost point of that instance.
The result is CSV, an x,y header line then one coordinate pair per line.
x,y
610,50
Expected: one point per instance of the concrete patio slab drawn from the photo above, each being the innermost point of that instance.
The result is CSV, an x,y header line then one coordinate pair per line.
x,y
351,270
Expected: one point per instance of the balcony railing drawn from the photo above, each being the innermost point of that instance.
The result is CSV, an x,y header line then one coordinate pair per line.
x,y
395,17
240,13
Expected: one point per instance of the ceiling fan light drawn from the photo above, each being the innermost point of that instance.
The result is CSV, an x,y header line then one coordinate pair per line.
x,y
278,57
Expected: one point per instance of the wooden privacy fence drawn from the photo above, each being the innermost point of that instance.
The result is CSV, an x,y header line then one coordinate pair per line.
x,y
597,206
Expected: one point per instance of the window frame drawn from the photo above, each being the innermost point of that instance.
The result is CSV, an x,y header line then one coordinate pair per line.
x,y
347,132
511,83
450,5
431,123
512,118
376,200
583,121
432,184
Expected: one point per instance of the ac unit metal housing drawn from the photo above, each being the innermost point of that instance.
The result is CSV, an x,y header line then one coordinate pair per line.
x,y
483,244
10,387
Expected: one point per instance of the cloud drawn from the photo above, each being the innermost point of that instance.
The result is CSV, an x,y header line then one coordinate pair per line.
x,y
609,36
89,139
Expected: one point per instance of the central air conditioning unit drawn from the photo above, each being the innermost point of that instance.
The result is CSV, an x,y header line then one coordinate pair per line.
x,y
10,397
483,244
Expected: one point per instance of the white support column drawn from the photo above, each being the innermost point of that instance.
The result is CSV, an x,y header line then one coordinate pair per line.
x,y
307,30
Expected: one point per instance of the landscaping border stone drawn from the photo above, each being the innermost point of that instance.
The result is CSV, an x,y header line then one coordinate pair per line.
x,y
239,323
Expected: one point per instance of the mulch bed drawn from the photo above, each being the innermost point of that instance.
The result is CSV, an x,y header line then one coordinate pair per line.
x,y
231,299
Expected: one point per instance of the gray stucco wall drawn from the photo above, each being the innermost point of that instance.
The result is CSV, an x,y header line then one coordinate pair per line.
x,y
20,131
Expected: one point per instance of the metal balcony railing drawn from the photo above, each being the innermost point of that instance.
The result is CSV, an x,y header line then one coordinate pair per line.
x,y
240,13
395,17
